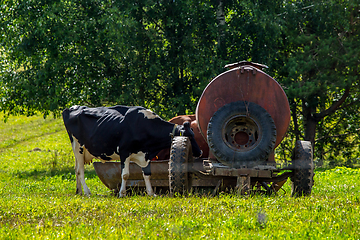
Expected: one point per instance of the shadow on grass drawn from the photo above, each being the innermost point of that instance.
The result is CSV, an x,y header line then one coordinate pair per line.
x,y
65,173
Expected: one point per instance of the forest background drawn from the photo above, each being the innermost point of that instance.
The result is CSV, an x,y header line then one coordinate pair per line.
x,y
162,54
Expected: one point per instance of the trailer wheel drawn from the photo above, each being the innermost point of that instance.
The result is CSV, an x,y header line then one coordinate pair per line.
x,y
180,155
241,134
303,173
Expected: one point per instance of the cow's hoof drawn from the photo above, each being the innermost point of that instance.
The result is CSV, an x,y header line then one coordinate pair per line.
x,y
85,194
122,194
152,194
78,192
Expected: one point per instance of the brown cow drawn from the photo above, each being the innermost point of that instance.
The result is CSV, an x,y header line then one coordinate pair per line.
x,y
165,153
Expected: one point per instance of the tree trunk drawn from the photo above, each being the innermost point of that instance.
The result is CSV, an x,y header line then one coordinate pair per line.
x,y
309,124
311,118
220,16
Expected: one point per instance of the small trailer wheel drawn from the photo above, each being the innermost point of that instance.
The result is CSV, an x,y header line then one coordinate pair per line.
x,y
180,155
303,173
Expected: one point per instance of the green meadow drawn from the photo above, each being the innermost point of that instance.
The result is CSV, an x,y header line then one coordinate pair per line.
x,y
38,201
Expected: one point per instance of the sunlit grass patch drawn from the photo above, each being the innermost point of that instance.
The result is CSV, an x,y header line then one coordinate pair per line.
x,y
37,200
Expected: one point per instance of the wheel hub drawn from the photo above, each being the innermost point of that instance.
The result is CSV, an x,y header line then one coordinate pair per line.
x,y
241,133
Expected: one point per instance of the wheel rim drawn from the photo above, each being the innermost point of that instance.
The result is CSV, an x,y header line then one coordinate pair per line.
x,y
241,133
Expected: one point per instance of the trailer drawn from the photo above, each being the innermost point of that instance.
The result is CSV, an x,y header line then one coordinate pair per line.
x,y
242,115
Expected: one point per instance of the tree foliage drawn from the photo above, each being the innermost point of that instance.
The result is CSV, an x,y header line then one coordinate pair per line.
x,y
320,71
103,52
162,54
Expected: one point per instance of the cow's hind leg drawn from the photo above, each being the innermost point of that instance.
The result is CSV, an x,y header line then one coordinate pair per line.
x,y
80,168
78,183
124,177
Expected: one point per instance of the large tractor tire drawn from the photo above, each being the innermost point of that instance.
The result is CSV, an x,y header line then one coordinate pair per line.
x,y
303,173
241,134
180,157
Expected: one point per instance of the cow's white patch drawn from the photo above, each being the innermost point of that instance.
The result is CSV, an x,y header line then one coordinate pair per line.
x,y
139,159
113,156
87,156
148,114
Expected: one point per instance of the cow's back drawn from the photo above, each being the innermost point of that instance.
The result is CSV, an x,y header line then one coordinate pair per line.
x,y
119,129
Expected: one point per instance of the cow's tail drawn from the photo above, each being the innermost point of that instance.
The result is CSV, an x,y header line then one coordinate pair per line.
x,y
65,114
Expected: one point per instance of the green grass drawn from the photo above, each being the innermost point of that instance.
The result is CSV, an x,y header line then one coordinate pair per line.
x,y
37,200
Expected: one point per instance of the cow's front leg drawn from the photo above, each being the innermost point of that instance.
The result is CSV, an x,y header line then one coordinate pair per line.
x,y
124,177
146,175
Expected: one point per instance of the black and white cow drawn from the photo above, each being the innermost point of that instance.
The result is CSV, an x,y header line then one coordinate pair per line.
x,y
119,133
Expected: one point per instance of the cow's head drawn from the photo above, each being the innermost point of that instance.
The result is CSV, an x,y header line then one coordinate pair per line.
x,y
186,131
